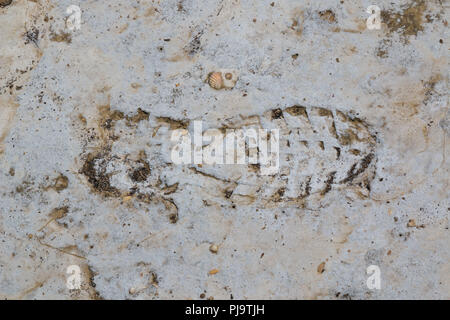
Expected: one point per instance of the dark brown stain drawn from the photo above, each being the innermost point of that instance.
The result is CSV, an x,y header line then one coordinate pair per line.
x,y
321,145
99,179
25,188
383,48
347,137
278,195
172,208
325,112
4,3
141,174
62,36
170,189
173,123
255,167
353,172
277,114
194,45
297,111
328,183
59,213
141,115
338,152
307,188
228,193
328,15
61,183
93,293
408,21
430,85
108,117
32,35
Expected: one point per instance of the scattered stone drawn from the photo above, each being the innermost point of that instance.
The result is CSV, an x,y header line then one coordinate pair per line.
x,y
411,223
213,271
213,248
321,267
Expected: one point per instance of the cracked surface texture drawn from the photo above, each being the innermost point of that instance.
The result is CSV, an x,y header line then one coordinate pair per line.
x,y
86,176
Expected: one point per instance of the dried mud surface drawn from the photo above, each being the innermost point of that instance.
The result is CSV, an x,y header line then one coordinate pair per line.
x,y
86,176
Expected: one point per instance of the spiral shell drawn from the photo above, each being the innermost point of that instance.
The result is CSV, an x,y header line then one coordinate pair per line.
x,y
215,80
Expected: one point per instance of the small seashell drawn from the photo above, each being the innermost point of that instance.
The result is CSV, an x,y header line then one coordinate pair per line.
x,y
215,80
229,78
224,78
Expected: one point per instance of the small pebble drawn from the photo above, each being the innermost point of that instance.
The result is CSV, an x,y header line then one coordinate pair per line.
x,y
213,248
321,267
213,271
411,223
